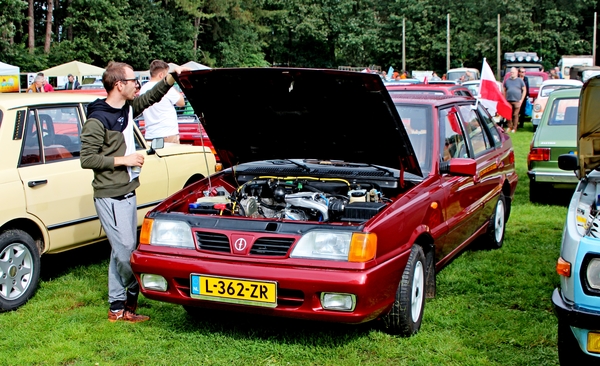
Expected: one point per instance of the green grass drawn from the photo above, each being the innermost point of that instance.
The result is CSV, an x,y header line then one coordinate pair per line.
x,y
492,308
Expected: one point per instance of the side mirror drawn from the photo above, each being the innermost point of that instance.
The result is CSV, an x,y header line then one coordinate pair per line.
x,y
459,166
568,162
158,143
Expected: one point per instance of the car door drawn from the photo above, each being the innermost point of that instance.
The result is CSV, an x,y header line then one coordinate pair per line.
x,y
57,190
483,149
462,208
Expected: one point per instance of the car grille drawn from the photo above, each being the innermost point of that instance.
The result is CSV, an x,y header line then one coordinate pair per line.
x,y
266,246
271,246
213,242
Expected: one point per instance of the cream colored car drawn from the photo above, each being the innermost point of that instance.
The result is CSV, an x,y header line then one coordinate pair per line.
x,y
547,87
47,198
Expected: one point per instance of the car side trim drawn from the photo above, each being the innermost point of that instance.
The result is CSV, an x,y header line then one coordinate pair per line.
x,y
91,218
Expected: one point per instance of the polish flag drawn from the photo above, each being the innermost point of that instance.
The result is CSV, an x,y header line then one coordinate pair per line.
x,y
490,95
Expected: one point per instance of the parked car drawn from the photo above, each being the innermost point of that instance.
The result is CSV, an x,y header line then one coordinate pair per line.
x,y
430,89
330,209
47,197
456,74
577,300
473,86
556,135
583,73
547,87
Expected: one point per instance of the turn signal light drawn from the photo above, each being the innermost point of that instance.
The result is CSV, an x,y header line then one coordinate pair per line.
x,y
563,268
146,231
363,247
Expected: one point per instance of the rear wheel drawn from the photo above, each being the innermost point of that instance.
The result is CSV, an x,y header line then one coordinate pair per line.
x,y
537,192
406,314
19,269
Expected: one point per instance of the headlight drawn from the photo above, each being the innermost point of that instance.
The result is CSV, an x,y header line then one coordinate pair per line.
x,y
537,108
171,234
593,273
336,245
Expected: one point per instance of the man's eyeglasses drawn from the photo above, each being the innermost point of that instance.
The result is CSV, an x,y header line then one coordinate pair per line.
x,y
522,72
137,82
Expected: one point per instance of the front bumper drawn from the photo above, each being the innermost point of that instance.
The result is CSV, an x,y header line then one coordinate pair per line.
x,y
573,315
298,288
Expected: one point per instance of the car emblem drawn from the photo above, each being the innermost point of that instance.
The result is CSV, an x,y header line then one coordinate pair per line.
x,y
240,244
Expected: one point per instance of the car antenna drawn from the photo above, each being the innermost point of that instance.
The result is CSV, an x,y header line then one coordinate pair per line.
x,y
200,119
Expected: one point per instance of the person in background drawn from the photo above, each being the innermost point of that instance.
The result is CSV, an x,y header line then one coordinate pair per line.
x,y
468,76
514,92
444,77
404,75
383,76
161,118
108,148
37,86
434,76
522,110
558,73
47,86
72,84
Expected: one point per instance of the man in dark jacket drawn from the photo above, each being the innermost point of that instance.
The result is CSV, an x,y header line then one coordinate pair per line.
x,y
524,104
108,147
72,84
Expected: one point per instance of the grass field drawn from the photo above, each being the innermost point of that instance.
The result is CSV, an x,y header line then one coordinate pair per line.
x,y
492,308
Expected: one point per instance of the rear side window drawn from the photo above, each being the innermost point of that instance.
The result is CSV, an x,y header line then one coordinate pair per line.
x,y
564,112
51,134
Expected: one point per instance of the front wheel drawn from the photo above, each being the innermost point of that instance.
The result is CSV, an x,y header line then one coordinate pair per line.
x,y
19,269
406,314
497,225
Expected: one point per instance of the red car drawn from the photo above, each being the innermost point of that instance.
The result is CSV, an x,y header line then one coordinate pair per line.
x,y
338,204
430,89
535,78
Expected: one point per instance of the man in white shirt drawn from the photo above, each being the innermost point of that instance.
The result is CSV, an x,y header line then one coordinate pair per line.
x,y
161,118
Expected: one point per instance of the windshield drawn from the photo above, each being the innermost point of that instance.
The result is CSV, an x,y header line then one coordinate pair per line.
x,y
564,112
547,89
535,81
455,75
418,124
589,74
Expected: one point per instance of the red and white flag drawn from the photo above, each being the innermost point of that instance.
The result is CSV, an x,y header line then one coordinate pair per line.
x,y
491,96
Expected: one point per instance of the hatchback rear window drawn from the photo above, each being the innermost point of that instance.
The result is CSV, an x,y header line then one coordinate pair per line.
x,y
564,112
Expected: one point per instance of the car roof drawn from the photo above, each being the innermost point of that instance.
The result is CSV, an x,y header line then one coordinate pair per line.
x,y
431,86
430,99
17,100
564,93
561,82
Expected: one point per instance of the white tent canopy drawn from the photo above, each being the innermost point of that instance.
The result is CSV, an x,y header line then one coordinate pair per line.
x,y
78,69
195,66
6,69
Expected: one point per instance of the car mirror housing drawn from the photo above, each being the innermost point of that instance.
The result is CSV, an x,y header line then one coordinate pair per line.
x,y
459,166
568,162
156,144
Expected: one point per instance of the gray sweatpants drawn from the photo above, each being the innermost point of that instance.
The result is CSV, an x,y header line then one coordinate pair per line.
x,y
119,221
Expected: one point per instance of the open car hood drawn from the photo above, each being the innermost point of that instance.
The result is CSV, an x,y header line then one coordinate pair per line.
x,y
253,114
588,127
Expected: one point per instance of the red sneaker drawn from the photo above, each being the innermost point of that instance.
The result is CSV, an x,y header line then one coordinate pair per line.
x,y
127,316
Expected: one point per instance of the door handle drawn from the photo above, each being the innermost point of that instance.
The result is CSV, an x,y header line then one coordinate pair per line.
x,y
33,183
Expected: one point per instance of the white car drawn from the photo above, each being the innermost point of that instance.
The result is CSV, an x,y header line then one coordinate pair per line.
x,y
547,87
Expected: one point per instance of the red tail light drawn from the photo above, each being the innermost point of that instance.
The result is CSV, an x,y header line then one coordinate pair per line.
x,y
538,154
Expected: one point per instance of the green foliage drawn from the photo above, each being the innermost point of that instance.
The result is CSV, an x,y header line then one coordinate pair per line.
x,y
303,33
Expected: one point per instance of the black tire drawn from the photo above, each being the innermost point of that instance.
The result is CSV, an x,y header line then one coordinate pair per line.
x,y
19,269
569,352
430,274
406,314
497,225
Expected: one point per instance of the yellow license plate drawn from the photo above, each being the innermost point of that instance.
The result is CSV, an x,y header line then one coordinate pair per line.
x,y
234,290
593,343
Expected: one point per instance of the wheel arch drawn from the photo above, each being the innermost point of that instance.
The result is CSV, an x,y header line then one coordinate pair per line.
x,y
30,227
193,179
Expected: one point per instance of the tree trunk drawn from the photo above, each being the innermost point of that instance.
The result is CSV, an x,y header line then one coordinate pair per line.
x,y
31,37
48,27
70,28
